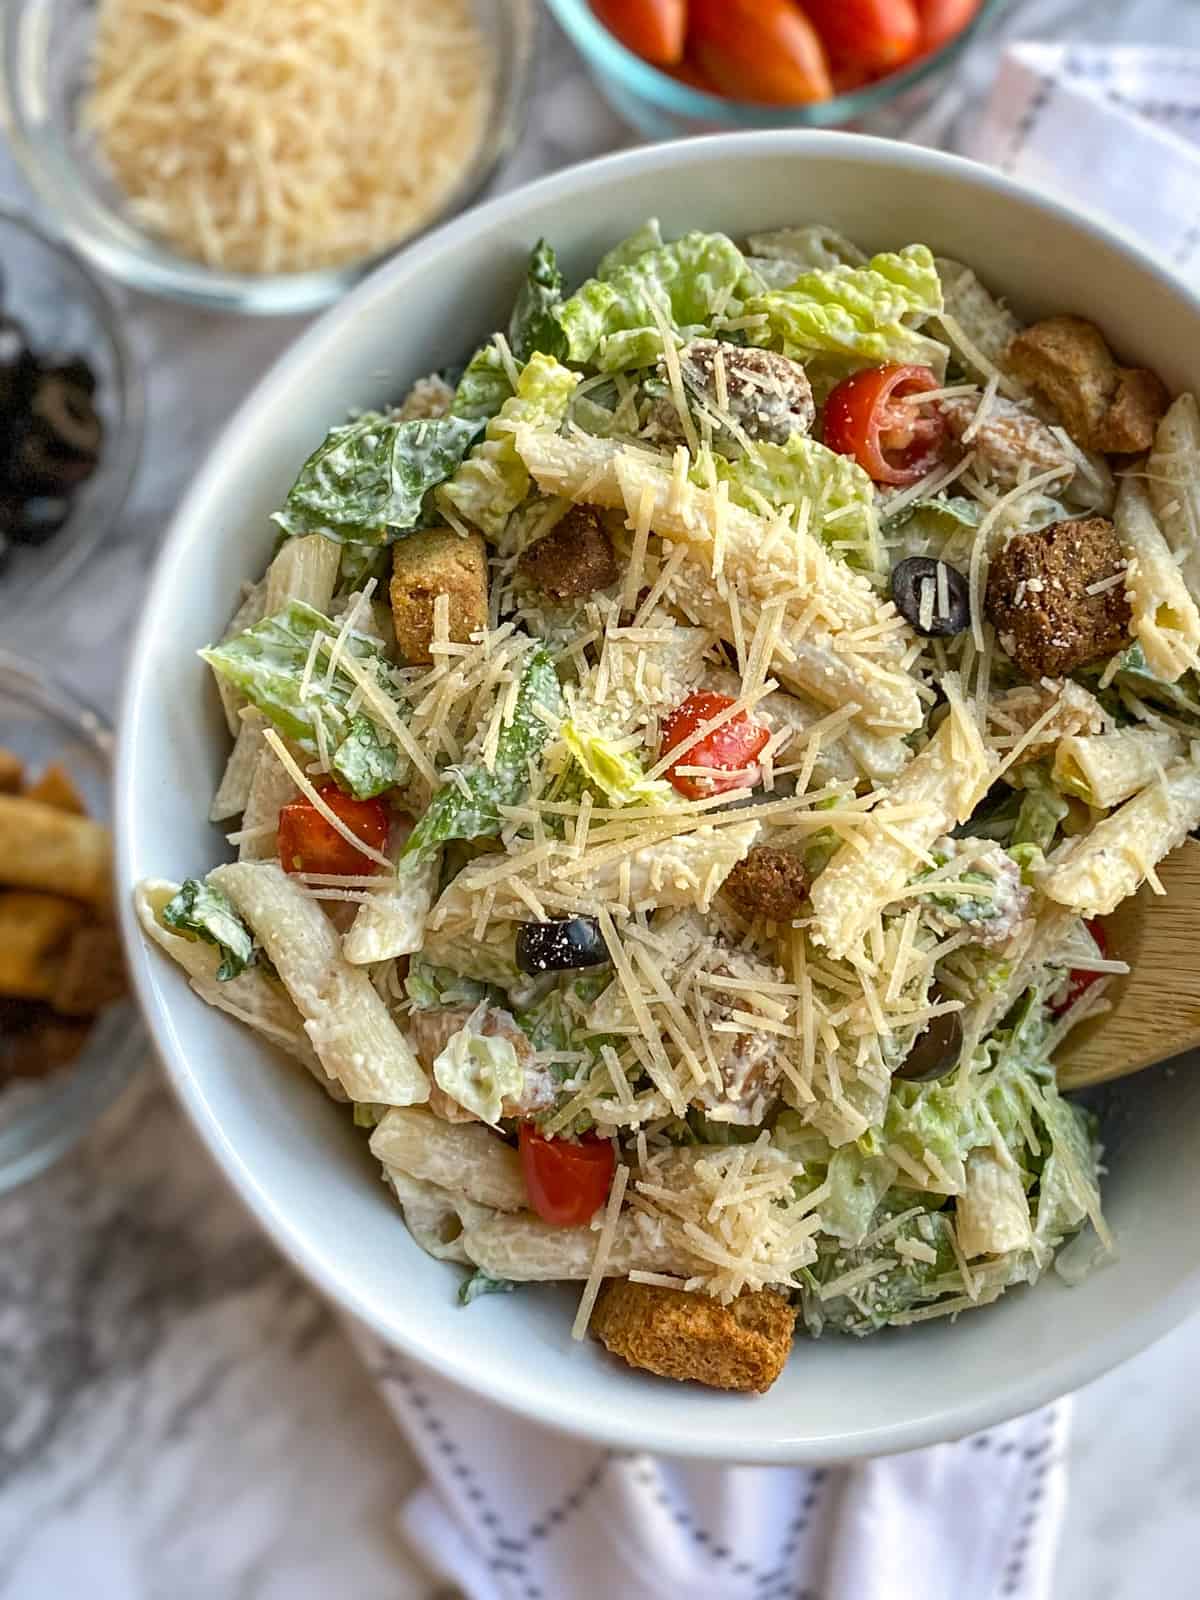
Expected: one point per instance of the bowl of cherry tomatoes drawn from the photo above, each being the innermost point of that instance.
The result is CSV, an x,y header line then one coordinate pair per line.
x,y
679,66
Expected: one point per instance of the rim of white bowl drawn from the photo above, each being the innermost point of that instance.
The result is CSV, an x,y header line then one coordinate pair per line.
x,y
518,1390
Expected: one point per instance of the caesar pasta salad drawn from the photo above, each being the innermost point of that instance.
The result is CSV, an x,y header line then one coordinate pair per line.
x,y
680,765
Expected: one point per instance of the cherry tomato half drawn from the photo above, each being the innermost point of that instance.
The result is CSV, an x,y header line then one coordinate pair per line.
x,y
1078,982
943,20
652,29
308,843
567,1180
761,50
878,35
867,417
732,748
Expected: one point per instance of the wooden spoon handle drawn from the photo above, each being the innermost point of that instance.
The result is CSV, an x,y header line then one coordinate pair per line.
x,y
1156,1009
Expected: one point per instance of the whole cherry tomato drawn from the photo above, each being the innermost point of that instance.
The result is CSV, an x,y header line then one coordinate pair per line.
x,y
652,29
309,843
761,50
868,417
733,748
567,1180
877,35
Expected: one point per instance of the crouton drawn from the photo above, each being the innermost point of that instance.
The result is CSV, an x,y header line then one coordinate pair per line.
x,y
690,1337
768,883
767,396
43,848
12,772
430,563
575,557
1007,440
34,1042
90,973
1038,600
1103,406
57,788
34,930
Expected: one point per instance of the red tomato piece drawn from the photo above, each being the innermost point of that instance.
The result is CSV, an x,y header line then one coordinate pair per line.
x,y
732,748
877,35
309,843
867,417
761,50
1077,982
567,1180
652,29
943,20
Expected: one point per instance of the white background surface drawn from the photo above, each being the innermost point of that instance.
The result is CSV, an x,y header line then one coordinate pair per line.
x,y
180,1419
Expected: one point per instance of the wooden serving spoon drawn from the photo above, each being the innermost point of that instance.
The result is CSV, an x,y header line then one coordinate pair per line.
x,y
1156,1009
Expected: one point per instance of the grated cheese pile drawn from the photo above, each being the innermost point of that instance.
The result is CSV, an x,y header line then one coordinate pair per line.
x,y
287,135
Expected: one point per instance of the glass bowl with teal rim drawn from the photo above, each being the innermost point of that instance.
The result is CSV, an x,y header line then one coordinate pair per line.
x,y
663,107
42,1117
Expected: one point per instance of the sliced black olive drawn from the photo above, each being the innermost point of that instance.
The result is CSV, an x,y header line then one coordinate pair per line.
x,y
936,1051
908,579
65,407
560,946
40,519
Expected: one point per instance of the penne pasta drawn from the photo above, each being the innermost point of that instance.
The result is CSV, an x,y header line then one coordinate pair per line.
x,y
305,569
1173,474
527,1250
392,922
1165,620
350,1027
464,1157
1106,768
251,610
237,781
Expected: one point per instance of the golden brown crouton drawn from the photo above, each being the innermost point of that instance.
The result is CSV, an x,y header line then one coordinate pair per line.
x,y
12,772
690,1337
768,883
575,557
1067,364
50,850
57,788
34,929
90,973
429,563
1038,600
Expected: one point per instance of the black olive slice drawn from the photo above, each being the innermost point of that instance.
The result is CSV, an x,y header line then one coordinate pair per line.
x,y
908,580
560,946
66,409
936,1051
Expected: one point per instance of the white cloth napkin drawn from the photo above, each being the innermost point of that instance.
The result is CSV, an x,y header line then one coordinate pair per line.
x,y
513,1512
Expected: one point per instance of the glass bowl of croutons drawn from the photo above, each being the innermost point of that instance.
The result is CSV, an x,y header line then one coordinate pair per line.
x,y
69,1037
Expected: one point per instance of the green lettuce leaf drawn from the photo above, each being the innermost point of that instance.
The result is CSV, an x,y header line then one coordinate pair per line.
x,y
483,387
533,325
480,1072
815,248
200,911
609,322
639,243
430,987
266,663
858,1181
841,493
367,483
468,808
943,529
860,316
1042,808
491,483
481,1283
616,774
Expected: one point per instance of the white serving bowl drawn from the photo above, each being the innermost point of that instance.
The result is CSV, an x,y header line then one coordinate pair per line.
x,y
292,1155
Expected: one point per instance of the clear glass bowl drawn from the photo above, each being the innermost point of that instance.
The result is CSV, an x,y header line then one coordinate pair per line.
x,y
41,1118
44,52
662,107
66,311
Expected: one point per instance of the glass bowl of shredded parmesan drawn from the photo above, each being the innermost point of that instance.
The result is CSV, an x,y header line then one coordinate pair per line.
x,y
256,156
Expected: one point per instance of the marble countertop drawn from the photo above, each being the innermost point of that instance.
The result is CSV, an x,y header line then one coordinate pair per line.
x,y
146,1323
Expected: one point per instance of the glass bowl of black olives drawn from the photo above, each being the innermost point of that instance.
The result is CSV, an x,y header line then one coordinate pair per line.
x,y
70,414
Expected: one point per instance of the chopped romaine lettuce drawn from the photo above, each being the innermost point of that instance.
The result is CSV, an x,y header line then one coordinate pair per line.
x,y
943,529
1042,808
366,484
483,387
200,911
609,322
491,483
430,987
533,325
859,315
479,1071
616,774
639,243
369,1115
267,663
466,807
481,1283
